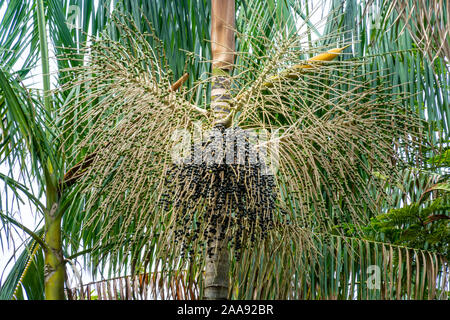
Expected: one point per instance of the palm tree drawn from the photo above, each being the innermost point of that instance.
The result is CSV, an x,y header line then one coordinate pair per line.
x,y
29,142
328,182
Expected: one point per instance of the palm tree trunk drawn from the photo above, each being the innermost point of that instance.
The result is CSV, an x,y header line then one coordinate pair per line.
x,y
54,272
222,47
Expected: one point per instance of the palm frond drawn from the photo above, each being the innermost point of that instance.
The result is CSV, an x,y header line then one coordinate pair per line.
x,y
428,25
140,287
18,37
25,280
382,33
339,268
24,130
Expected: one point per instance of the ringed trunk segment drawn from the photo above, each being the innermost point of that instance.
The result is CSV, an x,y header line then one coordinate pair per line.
x,y
54,270
221,98
217,270
223,53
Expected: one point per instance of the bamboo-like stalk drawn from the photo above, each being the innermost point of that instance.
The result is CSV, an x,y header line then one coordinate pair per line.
x,y
54,270
43,43
222,47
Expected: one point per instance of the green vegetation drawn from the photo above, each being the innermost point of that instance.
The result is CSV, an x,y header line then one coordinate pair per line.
x,y
363,176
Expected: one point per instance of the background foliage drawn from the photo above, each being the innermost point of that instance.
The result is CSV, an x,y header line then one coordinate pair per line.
x,y
407,236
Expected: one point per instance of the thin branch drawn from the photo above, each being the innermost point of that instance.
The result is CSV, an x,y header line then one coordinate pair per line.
x,y
179,82
435,217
